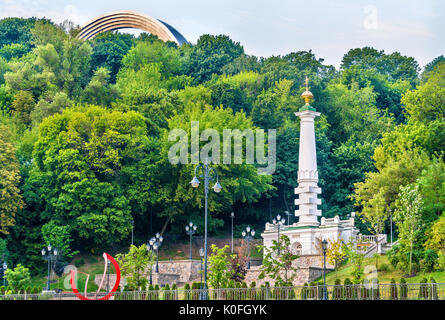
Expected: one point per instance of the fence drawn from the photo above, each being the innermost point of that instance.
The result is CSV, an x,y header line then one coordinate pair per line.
x,y
418,291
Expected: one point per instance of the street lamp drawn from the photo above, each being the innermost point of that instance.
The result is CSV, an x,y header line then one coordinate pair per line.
x,y
232,216
208,174
157,241
278,222
324,246
151,246
191,230
201,255
390,223
51,257
248,235
5,267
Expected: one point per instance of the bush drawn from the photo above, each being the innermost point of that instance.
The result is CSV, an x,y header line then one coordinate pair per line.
x,y
429,260
175,293
304,294
18,278
403,289
423,289
337,292
365,292
375,289
393,290
167,294
156,293
187,293
384,267
347,292
393,256
434,294
320,289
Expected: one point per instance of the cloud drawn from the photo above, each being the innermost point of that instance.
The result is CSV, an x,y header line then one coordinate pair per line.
x,y
39,9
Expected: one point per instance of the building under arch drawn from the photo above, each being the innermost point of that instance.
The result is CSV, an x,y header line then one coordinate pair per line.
x,y
128,19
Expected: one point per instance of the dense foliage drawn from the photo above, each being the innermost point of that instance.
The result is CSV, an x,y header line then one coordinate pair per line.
x,y
84,137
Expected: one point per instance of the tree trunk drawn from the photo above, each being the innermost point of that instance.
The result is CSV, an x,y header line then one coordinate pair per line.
x,y
165,226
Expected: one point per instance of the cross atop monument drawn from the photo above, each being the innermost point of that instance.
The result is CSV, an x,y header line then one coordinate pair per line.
x,y
307,83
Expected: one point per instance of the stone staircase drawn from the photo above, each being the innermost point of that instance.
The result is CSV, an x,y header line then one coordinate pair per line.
x,y
367,244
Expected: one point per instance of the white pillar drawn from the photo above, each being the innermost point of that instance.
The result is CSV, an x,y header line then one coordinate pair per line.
x,y
307,171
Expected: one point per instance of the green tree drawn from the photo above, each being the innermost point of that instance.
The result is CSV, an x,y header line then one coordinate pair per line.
x,y
108,50
210,55
49,104
99,91
23,105
18,278
430,67
17,31
219,262
425,103
93,171
278,266
335,254
59,237
157,52
241,183
376,215
10,199
436,236
408,218
394,65
133,265
356,259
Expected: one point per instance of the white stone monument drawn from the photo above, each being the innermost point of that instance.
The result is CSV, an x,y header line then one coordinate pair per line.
x,y
306,235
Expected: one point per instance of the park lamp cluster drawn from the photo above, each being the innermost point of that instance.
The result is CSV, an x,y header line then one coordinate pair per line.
x,y
195,184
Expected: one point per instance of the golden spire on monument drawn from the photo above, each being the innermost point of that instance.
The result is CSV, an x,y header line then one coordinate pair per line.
x,y
307,96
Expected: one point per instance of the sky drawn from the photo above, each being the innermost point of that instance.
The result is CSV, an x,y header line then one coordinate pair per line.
x,y
330,28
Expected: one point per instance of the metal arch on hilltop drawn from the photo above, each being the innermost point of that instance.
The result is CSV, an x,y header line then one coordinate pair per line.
x,y
128,19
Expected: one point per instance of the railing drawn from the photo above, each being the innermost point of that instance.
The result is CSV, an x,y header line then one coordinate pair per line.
x,y
369,238
418,291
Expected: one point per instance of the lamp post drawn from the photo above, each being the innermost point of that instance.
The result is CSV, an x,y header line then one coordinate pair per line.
x,y
324,245
287,213
208,174
51,257
191,230
201,255
232,216
390,223
157,241
248,235
151,246
5,267
278,222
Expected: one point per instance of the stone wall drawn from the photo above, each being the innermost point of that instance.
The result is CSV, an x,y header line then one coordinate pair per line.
x,y
188,270
309,268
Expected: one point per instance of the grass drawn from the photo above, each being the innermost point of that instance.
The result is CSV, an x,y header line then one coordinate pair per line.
x,y
384,276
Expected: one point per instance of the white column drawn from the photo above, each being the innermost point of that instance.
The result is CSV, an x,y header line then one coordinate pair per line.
x,y
307,172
